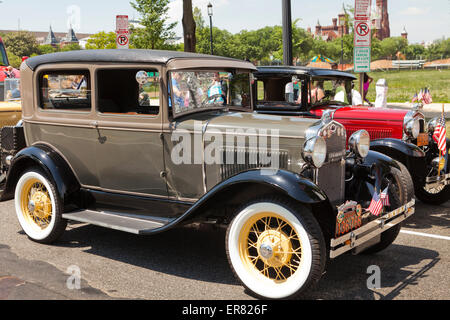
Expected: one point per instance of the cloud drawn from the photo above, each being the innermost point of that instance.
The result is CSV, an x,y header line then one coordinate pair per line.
x,y
414,11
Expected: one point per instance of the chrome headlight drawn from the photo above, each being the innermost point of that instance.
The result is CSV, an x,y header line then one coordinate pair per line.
x,y
359,143
412,128
315,151
431,125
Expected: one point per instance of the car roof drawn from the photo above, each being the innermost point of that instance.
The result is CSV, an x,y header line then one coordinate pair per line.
x,y
127,56
315,72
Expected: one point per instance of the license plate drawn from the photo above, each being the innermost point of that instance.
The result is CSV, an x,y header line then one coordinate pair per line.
x,y
348,221
422,139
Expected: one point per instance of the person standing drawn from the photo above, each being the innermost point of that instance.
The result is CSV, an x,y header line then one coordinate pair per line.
x,y
367,81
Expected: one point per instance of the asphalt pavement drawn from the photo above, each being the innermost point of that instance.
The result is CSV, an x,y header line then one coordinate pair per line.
x,y
190,263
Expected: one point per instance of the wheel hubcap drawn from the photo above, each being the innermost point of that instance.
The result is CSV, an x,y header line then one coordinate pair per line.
x,y
36,203
270,246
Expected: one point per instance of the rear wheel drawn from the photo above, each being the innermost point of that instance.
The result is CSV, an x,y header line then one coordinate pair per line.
x,y
276,248
38,207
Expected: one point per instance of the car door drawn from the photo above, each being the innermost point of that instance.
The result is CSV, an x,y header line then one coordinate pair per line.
x,y
129,150
63,115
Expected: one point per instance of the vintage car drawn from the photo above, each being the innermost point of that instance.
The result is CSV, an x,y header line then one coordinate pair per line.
x,y
403,135
143,141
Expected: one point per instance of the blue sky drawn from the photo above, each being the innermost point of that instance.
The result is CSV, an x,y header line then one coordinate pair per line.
x,y
425,20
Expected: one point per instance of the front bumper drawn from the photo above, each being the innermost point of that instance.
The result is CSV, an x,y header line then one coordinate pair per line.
x,y
438,181
370,230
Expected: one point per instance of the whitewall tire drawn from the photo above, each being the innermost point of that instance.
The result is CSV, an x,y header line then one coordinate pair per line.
x,y
275,249
38,207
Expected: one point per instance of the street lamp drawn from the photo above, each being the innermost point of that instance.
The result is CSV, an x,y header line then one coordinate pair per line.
x,y
210,14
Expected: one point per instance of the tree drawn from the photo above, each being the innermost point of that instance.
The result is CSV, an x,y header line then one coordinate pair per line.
x,y
188,27
46,48
21,43
14,60
71,47
102,40
156,32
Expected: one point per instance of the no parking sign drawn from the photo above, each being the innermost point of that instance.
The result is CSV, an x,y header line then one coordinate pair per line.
x,y
122,32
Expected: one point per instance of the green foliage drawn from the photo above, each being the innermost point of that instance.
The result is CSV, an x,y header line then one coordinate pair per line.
x,y
71,47
46,48
156,33
14,60
102,40
21,43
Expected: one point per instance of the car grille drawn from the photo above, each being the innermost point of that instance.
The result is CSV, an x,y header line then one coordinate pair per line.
x,y
331,176
244,159
374,133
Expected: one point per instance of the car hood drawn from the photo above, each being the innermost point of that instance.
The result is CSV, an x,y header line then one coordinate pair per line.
x,y
248,123
362,112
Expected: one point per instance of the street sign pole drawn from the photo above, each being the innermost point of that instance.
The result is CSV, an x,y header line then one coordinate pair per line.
x,y
362,41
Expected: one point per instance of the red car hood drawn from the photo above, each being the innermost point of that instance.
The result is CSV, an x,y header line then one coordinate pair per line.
x,y
363,113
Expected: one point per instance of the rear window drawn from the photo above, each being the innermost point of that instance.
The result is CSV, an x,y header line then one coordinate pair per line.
x,y
66,90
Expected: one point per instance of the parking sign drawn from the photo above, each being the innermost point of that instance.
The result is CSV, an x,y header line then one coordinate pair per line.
x,y
122,32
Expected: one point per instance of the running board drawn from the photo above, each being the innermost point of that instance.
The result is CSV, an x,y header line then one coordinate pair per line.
x,y
131,224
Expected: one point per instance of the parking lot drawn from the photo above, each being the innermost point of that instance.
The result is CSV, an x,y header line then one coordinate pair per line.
x,y
190,263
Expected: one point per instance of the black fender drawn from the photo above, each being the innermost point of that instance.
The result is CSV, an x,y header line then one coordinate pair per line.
x,y
51,163
286,183
367,174
409,154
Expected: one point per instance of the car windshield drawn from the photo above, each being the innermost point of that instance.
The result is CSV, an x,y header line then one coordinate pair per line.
x,y
201,90
3,57
331,91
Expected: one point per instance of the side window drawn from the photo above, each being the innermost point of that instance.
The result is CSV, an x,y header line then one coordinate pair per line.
x,y
260,90
128,91
65,90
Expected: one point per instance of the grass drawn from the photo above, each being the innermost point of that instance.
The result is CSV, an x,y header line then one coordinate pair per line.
x,y
404,84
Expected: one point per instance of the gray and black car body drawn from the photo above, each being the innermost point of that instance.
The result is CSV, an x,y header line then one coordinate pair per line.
x,y
143,141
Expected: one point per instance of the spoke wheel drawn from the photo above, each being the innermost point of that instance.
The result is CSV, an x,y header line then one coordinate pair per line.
x,y
276,248
270,246
38,207
36,204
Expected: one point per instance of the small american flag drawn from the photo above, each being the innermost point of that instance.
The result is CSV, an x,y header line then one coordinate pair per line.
x,y
427,99
415,98
440,134
385,197
376,206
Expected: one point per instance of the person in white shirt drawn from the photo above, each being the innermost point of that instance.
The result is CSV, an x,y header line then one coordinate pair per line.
x,y
356,96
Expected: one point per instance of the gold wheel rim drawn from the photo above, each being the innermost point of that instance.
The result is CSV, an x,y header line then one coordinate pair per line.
x,y
270,246
36,204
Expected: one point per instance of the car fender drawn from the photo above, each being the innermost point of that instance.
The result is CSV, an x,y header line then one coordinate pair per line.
x,y
51,162
407,153
369,172
289,184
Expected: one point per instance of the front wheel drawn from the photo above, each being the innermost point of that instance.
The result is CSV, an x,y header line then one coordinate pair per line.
x,y
38,207
276,248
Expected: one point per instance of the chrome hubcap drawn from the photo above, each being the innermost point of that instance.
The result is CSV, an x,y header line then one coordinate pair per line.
x,y
266,251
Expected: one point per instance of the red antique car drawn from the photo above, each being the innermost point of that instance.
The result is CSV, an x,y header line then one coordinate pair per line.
x,y
403,135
